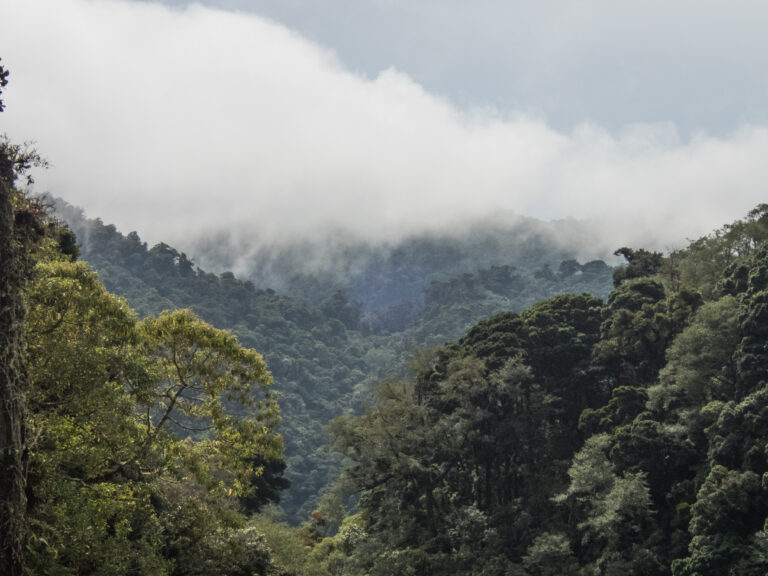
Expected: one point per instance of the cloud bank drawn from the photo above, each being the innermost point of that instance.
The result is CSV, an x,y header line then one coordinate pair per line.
x,y
180,123
699,62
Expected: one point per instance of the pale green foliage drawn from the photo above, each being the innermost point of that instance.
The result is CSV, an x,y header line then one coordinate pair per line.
x,y
550,555
700,360
288,548
590,471
115,491
613,512
335,554
619,515
80,343
469,530
198,371
703,263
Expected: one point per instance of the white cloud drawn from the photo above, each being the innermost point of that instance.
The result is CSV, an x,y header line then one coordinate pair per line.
x,y
182,122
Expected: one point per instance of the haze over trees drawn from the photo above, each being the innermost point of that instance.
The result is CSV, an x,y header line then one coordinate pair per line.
x,y
331,334
529,418
579,437
573,436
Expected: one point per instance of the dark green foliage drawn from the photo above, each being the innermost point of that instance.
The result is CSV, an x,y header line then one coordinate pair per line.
x,y
472,451
23,224
20,229
567,436
580,438
267,484
640,263
494,340
328,348
3,83
338,307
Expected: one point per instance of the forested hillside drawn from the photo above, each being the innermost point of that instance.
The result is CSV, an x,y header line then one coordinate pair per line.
x,y
575,436
127,446
482,397
579,437
327,349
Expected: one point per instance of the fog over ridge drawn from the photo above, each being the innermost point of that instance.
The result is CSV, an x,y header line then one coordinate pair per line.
x,y
190,123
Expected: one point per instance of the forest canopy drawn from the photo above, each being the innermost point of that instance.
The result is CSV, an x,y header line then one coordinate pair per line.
x,y
575,436
581,433
128,446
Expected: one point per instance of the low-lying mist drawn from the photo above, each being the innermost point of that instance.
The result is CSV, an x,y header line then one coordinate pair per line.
x,y
359,263
194,126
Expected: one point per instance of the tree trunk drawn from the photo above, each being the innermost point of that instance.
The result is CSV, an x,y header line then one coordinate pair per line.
x,y
13,458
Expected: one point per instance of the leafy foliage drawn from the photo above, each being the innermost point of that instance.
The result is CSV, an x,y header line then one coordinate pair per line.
x,y
113,488
574,436
579,437
328,344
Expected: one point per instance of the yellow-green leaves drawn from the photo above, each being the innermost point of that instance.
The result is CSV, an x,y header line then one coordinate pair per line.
x,y
122,410
210,388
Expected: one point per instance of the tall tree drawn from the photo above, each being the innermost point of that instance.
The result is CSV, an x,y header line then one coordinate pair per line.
x,y
148,436
20,225
12,460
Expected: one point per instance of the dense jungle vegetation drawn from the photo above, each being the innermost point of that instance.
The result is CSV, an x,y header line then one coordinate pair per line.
x,y
575,436
579,437
472,431
129,447
325,346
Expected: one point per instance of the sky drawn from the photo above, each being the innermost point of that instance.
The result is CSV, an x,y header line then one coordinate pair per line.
x,y
278,119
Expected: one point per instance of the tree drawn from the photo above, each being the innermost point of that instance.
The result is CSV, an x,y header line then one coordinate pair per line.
x,y
3,83
13,464
86,464
112,485
730,507
21,227
640,321
700,365
610,515
208,386
550,555
640,263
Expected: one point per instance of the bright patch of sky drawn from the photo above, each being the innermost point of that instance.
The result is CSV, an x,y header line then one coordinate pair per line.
x,y
386,117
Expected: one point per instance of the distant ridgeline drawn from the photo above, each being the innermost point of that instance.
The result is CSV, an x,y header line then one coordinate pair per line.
x,y
379,275
330,336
